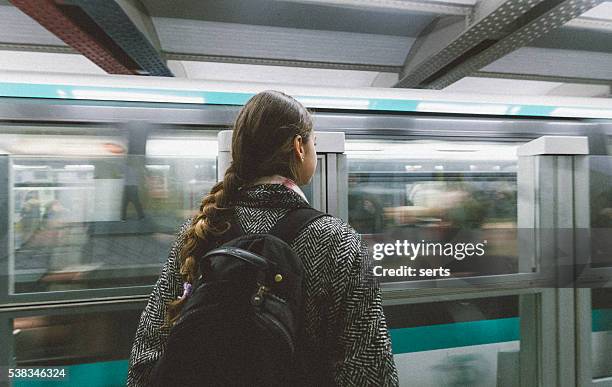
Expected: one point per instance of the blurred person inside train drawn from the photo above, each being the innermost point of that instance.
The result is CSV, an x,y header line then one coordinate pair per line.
x,y
132,178
344,339
366,214
29,216
134,167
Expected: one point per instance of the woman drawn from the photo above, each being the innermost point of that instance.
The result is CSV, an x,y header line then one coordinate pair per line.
x,y
273,152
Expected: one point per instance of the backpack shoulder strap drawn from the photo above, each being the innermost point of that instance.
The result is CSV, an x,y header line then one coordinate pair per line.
x,y
235,229
290,225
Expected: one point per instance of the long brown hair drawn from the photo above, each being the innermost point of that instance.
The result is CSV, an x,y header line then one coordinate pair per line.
x,y
262,145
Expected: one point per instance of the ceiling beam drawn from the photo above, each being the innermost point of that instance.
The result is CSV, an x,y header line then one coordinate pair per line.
x,y
280,62
439,7
449,51
103,31
130,27
62,22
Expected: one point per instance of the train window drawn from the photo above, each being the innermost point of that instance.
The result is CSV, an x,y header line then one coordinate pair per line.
x,y
472,342
90,347
180,168
442,192
97,211
601,336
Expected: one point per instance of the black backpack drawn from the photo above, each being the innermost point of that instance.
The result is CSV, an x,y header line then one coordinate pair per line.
x,y
242,325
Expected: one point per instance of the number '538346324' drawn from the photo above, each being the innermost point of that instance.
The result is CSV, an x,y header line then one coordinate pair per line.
x,y
36,373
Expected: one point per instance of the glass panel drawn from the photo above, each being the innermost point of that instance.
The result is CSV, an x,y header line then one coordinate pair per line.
x,y
601,338
88,345
314,190
600,192
102,211
457,343
436,194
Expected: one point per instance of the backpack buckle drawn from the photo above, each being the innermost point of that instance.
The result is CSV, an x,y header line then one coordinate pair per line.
x,y
257,298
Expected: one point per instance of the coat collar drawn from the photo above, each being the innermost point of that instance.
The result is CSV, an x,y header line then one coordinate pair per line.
x,y
270,196
278,179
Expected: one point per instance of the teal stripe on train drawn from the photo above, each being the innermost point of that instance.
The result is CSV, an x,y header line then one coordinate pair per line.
x,y
405,340
26,90
462,334
602,320
51,91
102,374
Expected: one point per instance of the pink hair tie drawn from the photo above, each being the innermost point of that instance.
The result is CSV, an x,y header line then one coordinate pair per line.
x,y
187,287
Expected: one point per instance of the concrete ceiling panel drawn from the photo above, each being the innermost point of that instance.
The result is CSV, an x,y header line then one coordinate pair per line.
x,y
274,74
501,86
250,41
18,28
602,12
581,90
579,39
290,14
48,62
555,62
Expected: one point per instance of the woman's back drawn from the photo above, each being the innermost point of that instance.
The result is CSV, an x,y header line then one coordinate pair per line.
x,y
345,330
345,335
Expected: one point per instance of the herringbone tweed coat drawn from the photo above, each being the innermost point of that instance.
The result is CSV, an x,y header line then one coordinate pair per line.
x,y
345,327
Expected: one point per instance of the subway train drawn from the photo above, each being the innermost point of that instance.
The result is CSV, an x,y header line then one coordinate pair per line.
x,y
98,173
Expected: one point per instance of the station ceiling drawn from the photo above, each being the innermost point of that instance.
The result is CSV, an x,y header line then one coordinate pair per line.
x,y
530,47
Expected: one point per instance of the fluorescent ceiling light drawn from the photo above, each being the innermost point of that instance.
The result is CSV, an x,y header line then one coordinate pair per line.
x,y
583,113
121,95
468,108
443,7
158,167
16,166
334,103
431,150
62,145
181,147
79,167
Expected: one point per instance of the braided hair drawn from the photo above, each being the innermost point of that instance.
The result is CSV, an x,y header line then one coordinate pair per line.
x,y
262,145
